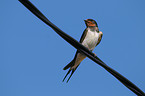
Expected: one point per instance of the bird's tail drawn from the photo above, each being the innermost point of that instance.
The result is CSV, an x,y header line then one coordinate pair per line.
x,y
73,65
71,69
69,65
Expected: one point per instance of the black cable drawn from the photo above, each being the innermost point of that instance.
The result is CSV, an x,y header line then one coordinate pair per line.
x,y
82,49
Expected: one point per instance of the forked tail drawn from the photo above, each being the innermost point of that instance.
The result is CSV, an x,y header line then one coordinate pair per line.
x,y
70,65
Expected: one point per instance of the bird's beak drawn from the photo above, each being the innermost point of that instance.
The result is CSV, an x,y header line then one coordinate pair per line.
x,y
85,20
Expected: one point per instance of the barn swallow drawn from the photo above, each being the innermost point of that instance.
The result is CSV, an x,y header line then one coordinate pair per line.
x,y
90,39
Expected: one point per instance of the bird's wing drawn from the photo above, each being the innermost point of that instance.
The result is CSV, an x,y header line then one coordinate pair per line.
x,y
81,40
100,37
83,35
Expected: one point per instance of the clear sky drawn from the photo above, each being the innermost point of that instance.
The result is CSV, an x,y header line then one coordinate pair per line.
x,y
32,55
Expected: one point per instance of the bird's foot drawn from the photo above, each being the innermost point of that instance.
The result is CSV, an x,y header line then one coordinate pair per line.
x,y
94,54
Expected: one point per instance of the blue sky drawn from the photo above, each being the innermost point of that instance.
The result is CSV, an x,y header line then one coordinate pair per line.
x,y
32,55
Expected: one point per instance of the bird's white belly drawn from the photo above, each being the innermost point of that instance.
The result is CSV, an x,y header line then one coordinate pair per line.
x,y
91,40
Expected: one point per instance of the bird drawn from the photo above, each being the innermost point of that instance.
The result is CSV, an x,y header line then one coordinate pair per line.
x,y
90,38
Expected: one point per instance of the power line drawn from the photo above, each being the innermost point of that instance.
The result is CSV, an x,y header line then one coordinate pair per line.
x,y
83,49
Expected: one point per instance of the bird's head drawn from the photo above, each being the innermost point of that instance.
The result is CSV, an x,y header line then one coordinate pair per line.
x,y
91,22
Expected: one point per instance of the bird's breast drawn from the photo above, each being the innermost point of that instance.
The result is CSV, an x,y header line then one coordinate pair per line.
x,y
91,39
